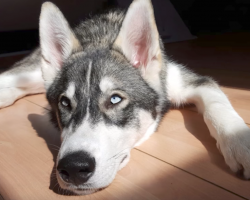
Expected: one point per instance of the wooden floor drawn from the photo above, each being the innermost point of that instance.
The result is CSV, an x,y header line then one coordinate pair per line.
x,y
180,161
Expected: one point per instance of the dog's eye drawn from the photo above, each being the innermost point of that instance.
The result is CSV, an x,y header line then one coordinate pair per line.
x,y
115,99
65,102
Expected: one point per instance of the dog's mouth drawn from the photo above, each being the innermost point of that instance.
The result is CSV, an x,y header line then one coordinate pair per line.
x,y
85,191
72,191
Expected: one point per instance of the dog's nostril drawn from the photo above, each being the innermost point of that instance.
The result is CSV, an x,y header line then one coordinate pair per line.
x,y
65,175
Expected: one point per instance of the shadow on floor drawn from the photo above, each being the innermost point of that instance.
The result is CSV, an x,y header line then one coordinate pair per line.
x,y
197,127
172,182
51,136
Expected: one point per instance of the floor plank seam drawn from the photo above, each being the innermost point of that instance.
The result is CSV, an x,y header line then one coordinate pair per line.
x,y
221,187
238,195
36,104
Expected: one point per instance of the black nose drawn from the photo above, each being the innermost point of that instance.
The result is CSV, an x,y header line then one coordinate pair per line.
x,y
76,167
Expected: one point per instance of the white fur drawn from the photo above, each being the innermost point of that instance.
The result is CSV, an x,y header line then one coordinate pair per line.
x,y
57,41
15,86
225,125
148,126
71,90
175,84
107,144
139,41
139,28
106,84
7,80
88,77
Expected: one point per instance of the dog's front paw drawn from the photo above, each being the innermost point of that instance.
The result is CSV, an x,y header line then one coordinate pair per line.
x,y
9,95
235,147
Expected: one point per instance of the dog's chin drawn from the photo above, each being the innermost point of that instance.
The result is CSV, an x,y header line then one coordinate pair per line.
x,y
81,190
85,191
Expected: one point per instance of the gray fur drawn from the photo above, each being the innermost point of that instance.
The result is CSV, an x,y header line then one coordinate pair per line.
x,y
97,36
192,79
99,31
99,58
109,63
84,69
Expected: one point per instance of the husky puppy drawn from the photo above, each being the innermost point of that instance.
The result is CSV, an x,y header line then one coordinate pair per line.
x,y
109,83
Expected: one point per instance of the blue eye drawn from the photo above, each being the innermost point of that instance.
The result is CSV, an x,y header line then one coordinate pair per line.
x,y
115,99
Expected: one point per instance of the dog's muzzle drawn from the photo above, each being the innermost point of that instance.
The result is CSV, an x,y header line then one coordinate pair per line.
x,y
76,168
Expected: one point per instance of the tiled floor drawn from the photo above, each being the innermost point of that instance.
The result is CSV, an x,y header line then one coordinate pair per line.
x,y
180,161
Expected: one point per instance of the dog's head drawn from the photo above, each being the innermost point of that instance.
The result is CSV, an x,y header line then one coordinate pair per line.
x,y
106,98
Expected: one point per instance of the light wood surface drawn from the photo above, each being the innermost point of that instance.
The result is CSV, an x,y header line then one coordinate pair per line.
x,y
180,161
172,164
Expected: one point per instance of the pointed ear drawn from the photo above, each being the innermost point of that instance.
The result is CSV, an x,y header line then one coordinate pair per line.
x,y
138,38
57,41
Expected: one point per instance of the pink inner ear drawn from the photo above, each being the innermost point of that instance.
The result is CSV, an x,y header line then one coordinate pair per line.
x,y
59,53
139,39
54,44
140,53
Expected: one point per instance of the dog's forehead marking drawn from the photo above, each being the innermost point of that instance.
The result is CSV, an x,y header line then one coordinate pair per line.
x,y
70,90
88,76
88,87
106,84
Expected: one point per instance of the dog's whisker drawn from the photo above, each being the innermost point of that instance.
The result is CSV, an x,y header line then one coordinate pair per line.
x,y
55,146
117,153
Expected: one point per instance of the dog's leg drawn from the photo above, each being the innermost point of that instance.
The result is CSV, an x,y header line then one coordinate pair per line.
x,y
225,125
24,78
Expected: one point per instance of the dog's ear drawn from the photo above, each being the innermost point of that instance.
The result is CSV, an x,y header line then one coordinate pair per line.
x,y
139,38
57,41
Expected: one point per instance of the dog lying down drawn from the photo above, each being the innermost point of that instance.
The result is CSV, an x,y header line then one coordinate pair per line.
x,y
109,83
